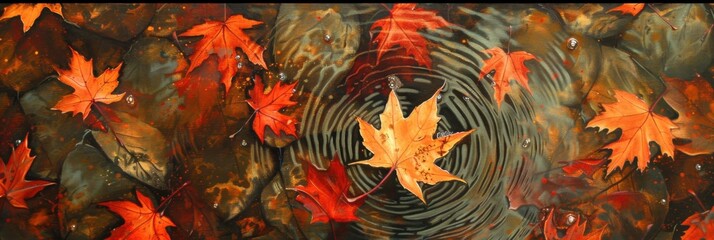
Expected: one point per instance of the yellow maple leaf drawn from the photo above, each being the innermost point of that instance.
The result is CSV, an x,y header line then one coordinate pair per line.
x,y
407,145
29,12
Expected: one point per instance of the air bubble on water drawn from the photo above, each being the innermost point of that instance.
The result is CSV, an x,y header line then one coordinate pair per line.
x,y
244,143
663,201
572,43
130,100
237,57
240,65
18,142
73,227
327,38
526,143
294,90
570,220
215,205
282,76
698,167
438,97
466,98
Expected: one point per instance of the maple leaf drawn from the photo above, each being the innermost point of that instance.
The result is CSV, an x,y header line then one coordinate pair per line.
x,y
222,38
29,12
629,8
508,66
401,29
576,231
701,226
694,101
407,144
13,185
639,127
267,108
324,194
88,89
140,221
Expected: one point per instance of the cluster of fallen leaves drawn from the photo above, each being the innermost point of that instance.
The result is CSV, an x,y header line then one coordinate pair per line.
x,y
397,146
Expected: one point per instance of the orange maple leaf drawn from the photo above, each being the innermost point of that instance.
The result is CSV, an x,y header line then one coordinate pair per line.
x,y
13,185
701,226
401,29
324,194
88,89
29,12
576,231
407,144
639,127
267,108
140,221
222,38
508,66
629,8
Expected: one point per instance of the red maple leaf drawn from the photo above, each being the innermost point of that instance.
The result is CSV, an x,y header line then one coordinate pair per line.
x,y
13,185
508,66
140,221
222,38
324,194
401,29
629,8
88,90
701,226
267,108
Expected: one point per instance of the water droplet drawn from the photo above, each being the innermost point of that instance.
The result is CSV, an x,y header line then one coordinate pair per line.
x,y
215,205
663,201
394,82
240,65
570,219
526,143
438,97
294,90
244,143
572,43
282,76
73,227
130,100
698,167
327,38
466,98
237,57
18,142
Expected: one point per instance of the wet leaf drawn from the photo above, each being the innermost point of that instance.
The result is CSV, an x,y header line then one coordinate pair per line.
x,y
139,149
103,19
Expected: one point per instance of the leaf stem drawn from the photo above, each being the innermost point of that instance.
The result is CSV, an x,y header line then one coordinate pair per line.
x,y
354,199
697,198
329,219
173,194
661,17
